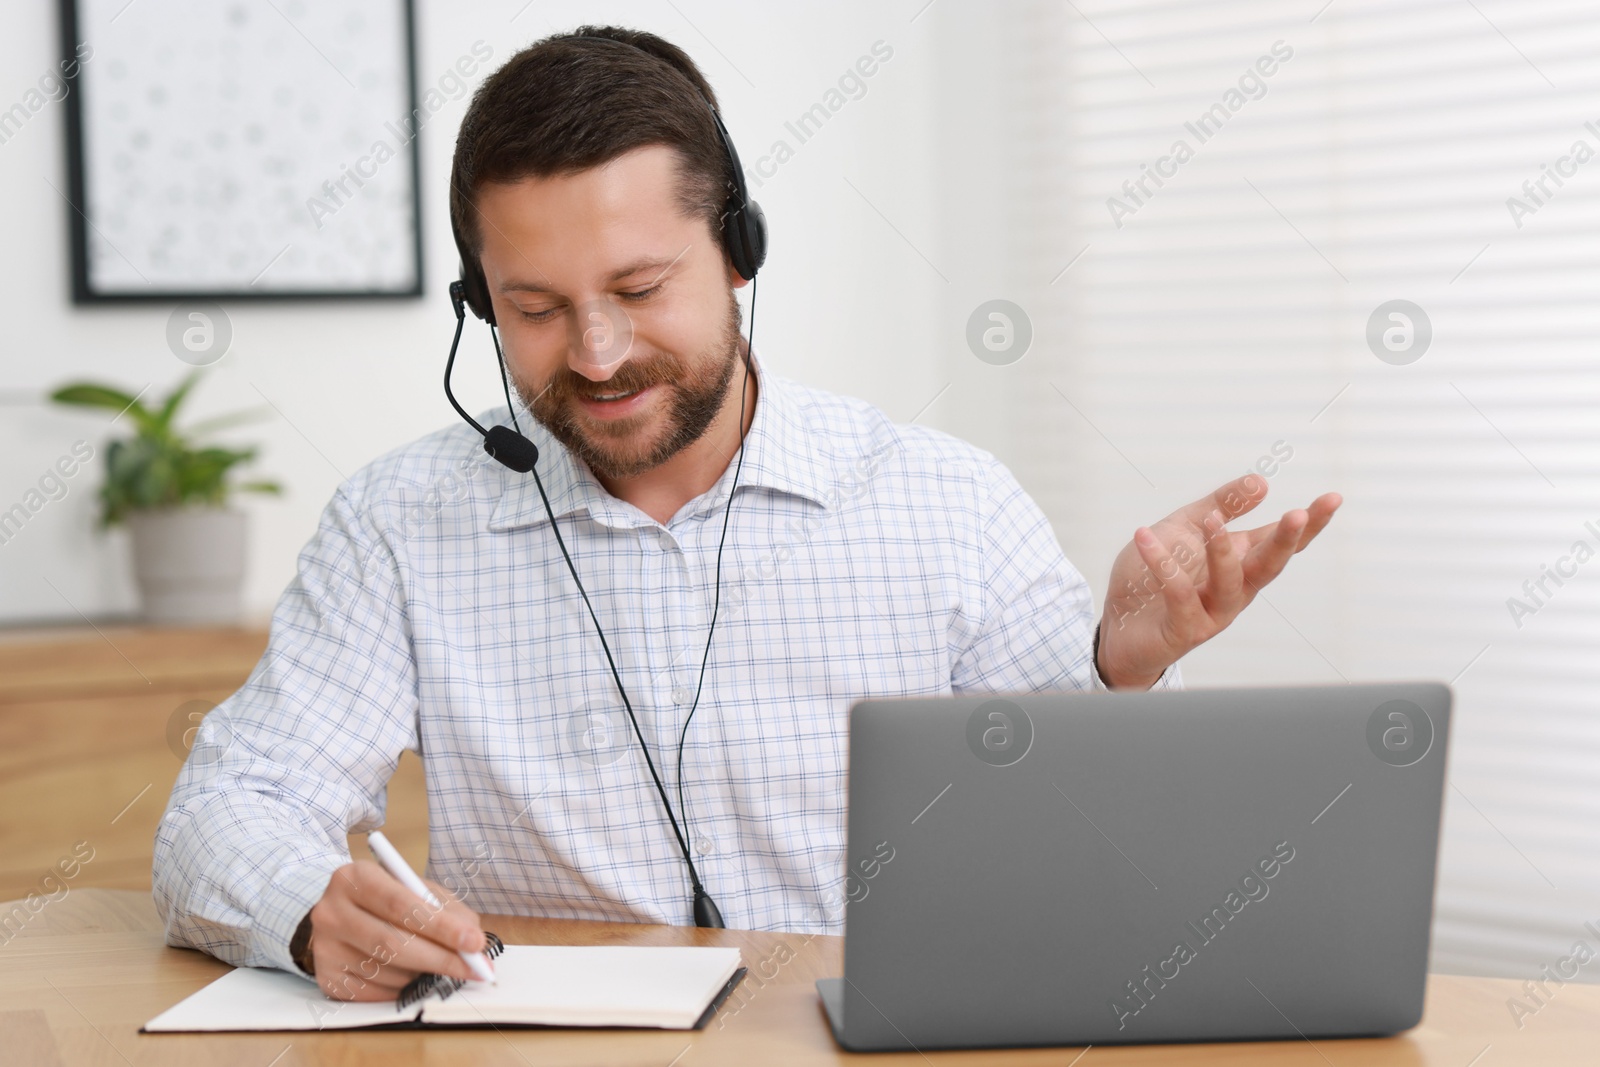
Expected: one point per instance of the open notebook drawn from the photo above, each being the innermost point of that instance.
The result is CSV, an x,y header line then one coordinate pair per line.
x,y
665,987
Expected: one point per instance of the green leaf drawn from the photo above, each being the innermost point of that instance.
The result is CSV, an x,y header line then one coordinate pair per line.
x,y
260,487
87,394
226,457
91,395
175,399
222,422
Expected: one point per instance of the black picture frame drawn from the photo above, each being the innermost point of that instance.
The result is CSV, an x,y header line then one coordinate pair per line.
x,y
83,289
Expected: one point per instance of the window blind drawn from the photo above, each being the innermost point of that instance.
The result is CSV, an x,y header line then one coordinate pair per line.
x,y
1197,312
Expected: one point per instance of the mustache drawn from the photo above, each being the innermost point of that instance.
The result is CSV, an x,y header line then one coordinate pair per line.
x,y
633,375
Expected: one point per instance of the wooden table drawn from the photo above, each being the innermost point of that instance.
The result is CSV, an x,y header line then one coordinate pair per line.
x,y
80,978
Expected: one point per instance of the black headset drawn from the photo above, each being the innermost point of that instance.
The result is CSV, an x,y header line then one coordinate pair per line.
x,y
744,238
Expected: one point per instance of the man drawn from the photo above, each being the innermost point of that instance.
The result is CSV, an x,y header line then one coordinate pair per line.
x,y
433,609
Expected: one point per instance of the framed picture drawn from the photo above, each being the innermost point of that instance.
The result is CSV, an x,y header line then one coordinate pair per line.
x,y
241,149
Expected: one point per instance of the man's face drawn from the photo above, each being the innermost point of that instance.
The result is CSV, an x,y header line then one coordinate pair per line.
x,y
614,308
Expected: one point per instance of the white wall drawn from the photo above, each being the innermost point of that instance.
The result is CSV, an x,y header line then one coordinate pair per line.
x,y
845,302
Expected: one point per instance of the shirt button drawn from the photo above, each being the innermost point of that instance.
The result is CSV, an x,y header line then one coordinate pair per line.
x,y
681,694
704,845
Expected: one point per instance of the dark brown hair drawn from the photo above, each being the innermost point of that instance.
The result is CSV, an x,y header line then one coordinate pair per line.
x,y
566,104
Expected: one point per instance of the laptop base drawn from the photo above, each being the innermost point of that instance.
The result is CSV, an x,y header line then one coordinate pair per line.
x,y
831,990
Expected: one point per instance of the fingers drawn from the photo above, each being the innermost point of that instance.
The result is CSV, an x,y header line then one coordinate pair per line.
x,y
353,953
371,935
458,915
399,947
456,928
345,972
341,971
1223,594
1233,499
1321,512
1272,545
1266,560
462,920
1177,589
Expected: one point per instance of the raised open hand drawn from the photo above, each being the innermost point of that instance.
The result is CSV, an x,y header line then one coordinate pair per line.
x,y
1180,582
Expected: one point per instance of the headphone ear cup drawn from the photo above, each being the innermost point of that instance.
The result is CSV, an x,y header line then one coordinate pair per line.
x,y
476,292
755,225
746,239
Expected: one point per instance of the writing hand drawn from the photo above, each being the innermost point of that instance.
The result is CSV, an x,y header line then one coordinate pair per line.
x,y
370,935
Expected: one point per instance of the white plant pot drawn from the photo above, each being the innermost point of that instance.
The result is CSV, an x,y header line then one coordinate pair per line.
x,y
189,564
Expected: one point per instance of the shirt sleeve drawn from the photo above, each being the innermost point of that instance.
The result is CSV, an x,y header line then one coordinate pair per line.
x,y
1036,620
302,754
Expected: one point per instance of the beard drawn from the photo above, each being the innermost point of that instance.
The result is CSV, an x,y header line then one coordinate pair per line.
x,y
619,448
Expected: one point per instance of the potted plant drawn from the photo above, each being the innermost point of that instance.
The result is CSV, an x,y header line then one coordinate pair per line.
x,y
188,545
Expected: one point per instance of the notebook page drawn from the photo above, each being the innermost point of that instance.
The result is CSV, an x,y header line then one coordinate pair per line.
x,y
602,985
251,998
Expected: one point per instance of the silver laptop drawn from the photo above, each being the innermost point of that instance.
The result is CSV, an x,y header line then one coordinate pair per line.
x,y
1100,868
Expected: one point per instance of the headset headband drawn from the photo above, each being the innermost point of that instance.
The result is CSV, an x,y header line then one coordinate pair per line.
x,y
744,224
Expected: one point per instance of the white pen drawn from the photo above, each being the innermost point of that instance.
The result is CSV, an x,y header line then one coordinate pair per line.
x,y
396,865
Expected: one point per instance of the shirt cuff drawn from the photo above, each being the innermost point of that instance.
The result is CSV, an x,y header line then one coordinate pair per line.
x,y
1170,678
295,891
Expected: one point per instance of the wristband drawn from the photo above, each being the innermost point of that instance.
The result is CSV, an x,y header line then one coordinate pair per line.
x,y
300,947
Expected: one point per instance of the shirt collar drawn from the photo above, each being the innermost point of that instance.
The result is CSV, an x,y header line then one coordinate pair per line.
x,y
781,454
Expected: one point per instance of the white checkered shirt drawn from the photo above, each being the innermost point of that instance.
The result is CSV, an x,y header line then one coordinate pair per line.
x,y
432,611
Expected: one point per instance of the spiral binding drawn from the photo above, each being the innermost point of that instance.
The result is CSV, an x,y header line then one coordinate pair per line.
x,y
425,985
